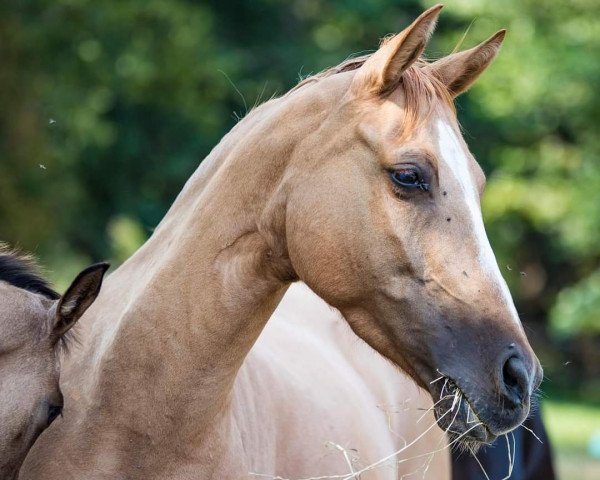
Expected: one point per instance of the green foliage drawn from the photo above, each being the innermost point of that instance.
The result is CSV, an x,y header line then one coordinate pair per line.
x,y
533,123
577,308
108,107
571,424
126,236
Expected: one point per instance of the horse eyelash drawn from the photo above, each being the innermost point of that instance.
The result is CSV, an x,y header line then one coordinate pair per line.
x,y
423,186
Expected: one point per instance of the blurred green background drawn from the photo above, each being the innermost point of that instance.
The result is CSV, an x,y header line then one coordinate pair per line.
x,y
108,107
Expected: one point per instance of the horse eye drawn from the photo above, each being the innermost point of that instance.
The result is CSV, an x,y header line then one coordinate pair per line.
x,y
53,412
409,178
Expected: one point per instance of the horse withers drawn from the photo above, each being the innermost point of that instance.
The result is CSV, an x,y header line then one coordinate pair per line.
x,y
35,322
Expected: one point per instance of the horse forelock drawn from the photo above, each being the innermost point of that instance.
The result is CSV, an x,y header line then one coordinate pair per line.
x,y
423,91
23,272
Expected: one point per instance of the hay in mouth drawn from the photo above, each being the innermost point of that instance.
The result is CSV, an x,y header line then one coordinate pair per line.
x,y
457,416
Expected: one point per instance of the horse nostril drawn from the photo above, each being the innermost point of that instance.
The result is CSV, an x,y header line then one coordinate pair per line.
x,y
516,380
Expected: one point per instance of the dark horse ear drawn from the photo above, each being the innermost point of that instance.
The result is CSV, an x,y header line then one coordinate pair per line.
x,y
78,297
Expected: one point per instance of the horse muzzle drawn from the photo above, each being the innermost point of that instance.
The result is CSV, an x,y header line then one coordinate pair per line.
x,y
476,410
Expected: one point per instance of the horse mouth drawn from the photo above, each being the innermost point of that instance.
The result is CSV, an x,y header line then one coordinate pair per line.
x,y
456,414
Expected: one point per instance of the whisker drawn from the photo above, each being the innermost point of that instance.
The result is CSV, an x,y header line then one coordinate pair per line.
x,y
457,395
511,457
480,465
443,388
469,410
514,454
510,460
533,433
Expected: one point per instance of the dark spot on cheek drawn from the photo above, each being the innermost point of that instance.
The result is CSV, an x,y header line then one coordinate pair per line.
x,y
445,193
448,219
465,274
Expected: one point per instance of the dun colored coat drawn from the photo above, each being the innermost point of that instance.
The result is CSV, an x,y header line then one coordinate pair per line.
x,y
358,183
34,323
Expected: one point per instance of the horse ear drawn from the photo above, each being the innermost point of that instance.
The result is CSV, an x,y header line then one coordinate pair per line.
x,y
78,297
459,70
382,71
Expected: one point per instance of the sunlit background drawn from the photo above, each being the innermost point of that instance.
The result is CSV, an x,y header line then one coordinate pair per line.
x,y
106,108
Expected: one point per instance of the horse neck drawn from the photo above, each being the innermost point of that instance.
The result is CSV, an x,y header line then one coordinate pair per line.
x,y
194,299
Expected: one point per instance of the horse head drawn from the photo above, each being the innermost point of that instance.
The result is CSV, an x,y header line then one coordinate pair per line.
x,y
383,221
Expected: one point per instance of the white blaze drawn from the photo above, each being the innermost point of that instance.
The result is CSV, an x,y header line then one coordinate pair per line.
x,y
456,160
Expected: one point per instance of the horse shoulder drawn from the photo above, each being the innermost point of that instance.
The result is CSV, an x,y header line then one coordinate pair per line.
x,y
310,390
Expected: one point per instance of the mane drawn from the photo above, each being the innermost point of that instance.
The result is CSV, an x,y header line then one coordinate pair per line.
x,y
422,89
22,271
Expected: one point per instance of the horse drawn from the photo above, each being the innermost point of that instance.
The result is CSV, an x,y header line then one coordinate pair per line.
x,y
35,322
358,183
